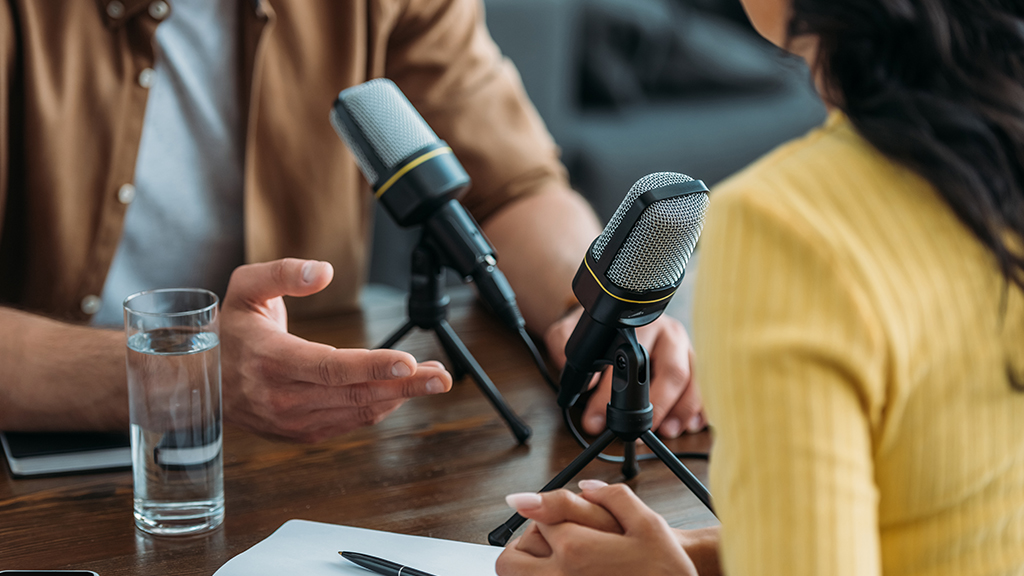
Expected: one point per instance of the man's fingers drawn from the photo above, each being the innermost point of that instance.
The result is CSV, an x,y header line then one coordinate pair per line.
x,y
320,425
288,357
675,397
343,420
686,416
347,366
307,396
597,406
305,391
257,283
672,391
698,421
427,380
560,506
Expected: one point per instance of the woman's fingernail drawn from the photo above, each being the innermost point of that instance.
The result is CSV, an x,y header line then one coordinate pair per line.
x,y
309,270
671,427
524,500
401,370
696,423
434,386
591,484
595,422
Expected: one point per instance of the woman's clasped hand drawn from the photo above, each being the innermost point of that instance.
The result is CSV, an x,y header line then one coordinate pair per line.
x,y
604,530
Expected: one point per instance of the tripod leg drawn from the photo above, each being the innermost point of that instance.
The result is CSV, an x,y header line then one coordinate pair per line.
x,y
458,369
501,535
673,463
630,467
398,335
450,341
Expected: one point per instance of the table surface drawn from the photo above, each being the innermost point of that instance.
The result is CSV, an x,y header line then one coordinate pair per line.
x,y
437,467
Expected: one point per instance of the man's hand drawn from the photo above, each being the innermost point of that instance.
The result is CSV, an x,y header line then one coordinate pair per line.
x,y
280,385
606,530
674,394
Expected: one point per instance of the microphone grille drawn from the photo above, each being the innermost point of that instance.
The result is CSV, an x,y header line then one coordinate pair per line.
x,y
656,250
642,186
388,121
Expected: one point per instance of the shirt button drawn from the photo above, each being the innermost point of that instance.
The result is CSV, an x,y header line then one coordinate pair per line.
x,y
125,194
115,9
91,304
146,77
159,9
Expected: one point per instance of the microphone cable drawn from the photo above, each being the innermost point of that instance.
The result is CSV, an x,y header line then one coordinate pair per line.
x,y
538,359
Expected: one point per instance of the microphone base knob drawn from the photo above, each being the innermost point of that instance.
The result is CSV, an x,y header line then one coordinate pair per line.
x,y
630,424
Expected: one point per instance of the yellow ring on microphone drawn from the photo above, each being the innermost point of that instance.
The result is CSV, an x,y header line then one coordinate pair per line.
x,y
587,264
405,170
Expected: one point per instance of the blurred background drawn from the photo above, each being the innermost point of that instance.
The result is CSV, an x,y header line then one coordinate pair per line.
x,y
630,87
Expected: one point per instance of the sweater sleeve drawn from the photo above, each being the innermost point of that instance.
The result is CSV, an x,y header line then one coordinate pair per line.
x,y
789,360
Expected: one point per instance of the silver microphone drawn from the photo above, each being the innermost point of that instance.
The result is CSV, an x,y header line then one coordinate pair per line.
x,y
658,246
418,180
632,270
380,126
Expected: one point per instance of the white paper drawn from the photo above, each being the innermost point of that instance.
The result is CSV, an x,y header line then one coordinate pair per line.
x,y
311,549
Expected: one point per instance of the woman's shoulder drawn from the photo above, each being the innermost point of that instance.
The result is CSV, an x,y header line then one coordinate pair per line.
x,y
831,160
829,185
833,198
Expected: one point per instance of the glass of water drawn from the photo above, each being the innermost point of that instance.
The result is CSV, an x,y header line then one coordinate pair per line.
x,y
174,400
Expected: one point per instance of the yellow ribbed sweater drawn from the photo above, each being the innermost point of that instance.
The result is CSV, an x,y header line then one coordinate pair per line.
x,y
853,353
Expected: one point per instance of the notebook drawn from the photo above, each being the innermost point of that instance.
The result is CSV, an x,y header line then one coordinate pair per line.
x,y
39,453
311,549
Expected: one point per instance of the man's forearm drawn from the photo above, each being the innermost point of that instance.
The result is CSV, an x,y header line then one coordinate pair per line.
x,y
541,241
57,376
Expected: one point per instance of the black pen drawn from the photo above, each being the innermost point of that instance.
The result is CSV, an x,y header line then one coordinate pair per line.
x,y
381,566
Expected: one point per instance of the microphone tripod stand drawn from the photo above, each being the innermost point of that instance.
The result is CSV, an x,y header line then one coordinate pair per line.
x,y
427,309
630,416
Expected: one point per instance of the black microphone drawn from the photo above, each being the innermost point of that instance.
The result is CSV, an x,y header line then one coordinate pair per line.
x,y
632,270
418,180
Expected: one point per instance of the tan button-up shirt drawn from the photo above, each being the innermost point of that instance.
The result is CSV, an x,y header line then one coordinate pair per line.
x,y
74,78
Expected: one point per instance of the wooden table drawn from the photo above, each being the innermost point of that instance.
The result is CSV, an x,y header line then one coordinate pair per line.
x,y
438,467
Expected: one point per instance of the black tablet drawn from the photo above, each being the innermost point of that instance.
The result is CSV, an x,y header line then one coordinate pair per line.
x,y
42,453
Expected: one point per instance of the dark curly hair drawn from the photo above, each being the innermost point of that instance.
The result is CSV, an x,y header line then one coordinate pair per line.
x,y
938,86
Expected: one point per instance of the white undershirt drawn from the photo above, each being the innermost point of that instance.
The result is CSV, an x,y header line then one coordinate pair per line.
x,y
184,226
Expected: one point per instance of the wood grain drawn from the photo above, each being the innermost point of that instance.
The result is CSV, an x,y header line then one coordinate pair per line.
x,y
438,467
